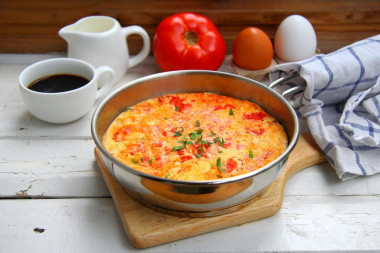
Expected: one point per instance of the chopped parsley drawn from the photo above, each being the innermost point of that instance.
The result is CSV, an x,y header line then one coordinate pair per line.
x,y
219,164
212,134
231,112
178,148
185,142
197,155
179,131
200,152
250,154
196,135
134,161
218,140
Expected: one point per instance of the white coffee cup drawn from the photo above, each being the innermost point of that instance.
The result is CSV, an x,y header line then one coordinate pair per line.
x,y
67,106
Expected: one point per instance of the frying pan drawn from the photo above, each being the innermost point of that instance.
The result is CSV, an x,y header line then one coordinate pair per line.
x,y
194,198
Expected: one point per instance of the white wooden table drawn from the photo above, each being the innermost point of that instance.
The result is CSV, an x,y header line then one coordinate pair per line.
x,y
54,199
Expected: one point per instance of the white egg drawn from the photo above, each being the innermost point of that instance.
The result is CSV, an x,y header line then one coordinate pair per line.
x,y
295,39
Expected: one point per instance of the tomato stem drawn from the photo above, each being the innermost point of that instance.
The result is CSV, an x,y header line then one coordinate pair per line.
x,y
191,38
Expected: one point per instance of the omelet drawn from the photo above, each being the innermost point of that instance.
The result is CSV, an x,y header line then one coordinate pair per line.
x,y
195,137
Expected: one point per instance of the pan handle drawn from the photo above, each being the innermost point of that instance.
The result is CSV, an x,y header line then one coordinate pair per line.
x,y
290,91
293,91
282,79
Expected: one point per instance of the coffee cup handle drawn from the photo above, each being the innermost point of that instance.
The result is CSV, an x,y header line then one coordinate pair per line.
x,y
135,29
105,79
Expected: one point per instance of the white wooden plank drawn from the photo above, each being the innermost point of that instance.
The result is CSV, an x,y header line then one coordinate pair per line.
x,y
322,224
81,225
46,168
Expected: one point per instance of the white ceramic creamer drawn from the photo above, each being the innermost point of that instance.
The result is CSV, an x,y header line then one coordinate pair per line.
x,y
101,41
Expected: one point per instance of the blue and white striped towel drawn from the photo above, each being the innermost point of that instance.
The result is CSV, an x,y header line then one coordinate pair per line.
x,y
341,104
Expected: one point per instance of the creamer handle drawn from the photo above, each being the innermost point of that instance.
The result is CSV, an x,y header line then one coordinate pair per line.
x,y
134,29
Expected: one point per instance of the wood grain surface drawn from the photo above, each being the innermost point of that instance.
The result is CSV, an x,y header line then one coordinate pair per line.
x,y
145,227
32,26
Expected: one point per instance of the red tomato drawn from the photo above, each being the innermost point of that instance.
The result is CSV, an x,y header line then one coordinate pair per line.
x,y
186,158
252,49
231,164
188,41
122,132
254,116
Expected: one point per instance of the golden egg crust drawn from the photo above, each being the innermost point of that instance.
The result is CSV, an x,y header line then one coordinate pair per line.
x,y
195,136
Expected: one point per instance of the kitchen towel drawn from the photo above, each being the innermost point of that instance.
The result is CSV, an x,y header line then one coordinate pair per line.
x,y
341,104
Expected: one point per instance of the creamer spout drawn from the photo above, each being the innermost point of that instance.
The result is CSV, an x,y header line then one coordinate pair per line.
x,y
68,32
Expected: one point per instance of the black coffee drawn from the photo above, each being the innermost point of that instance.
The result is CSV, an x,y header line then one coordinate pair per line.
x,y
58,83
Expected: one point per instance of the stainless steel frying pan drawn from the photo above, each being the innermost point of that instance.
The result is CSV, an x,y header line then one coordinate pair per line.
x,y
194,198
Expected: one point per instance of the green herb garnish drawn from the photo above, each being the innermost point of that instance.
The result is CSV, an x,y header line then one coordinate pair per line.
x,y
231,112
250,154
221,141
197,123
212,134
219,164
186,142
200,152
178,148
179,131
196,135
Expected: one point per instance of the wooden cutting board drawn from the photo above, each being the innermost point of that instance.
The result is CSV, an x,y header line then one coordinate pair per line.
x,y
146,227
